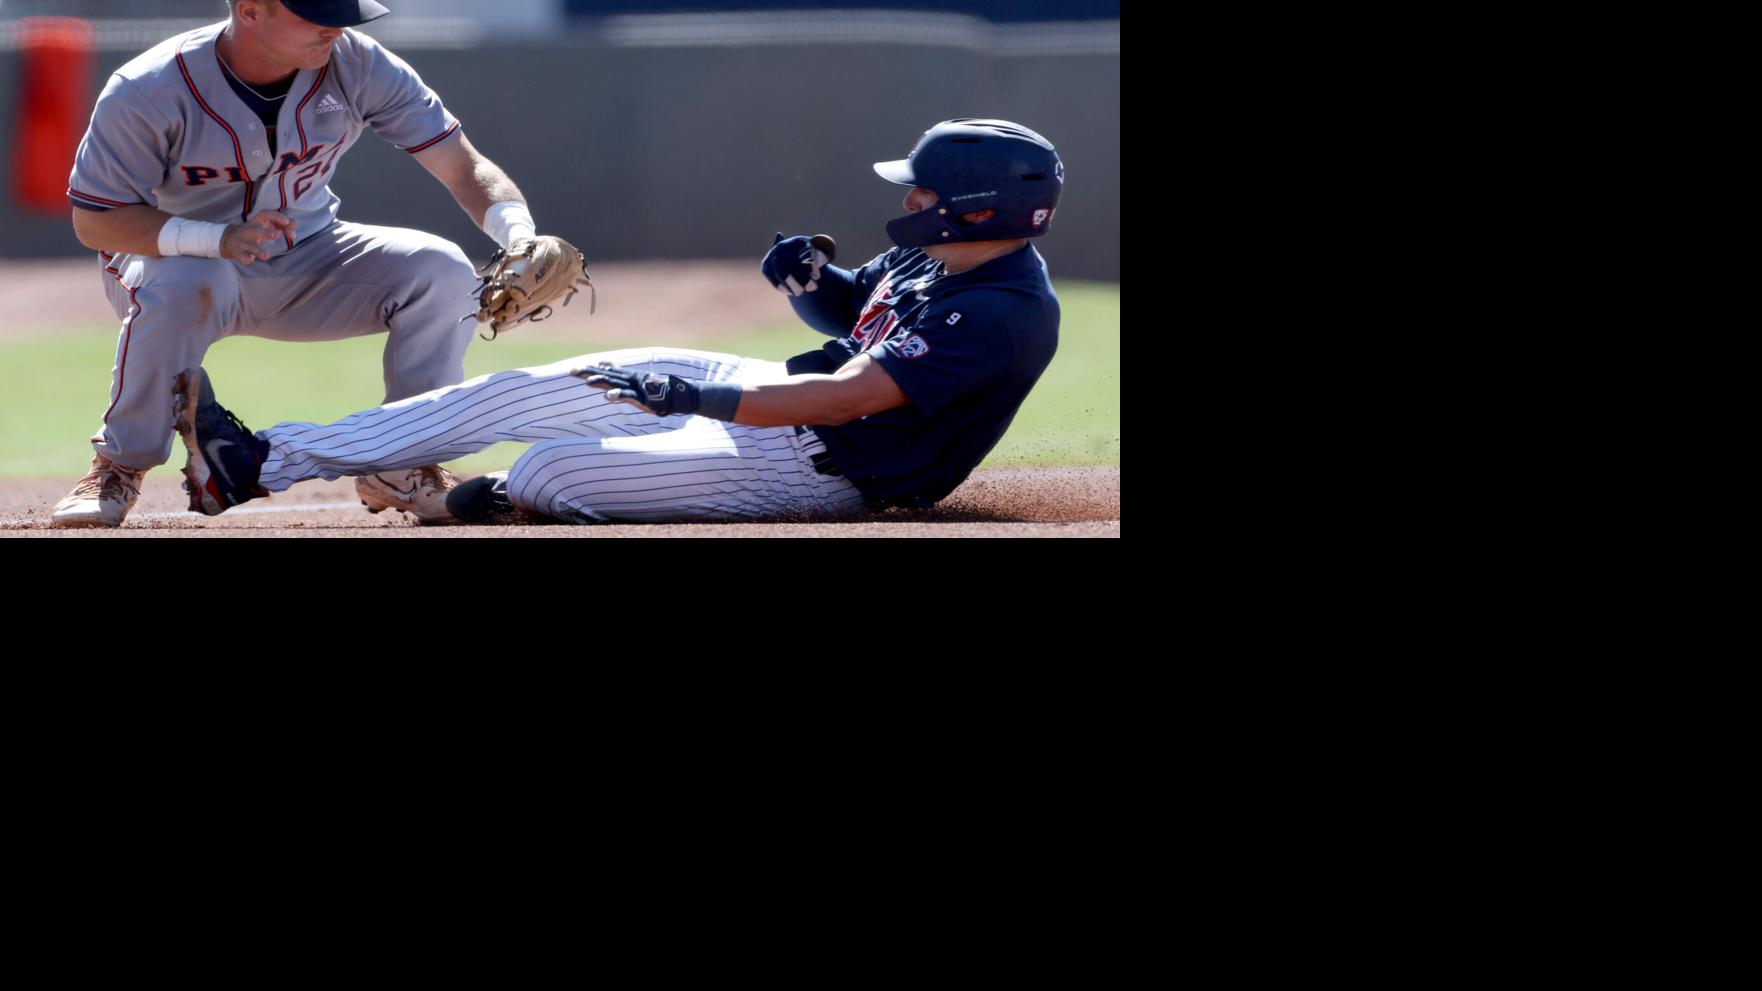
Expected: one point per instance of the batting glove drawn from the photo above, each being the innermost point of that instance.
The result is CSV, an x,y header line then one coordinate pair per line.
x,y
663,395
793,264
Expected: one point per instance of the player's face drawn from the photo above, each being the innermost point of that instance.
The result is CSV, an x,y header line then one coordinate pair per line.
x,y
920,199
923,199
293,40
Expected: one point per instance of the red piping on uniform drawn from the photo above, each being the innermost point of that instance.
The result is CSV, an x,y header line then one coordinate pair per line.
x,y
309,93
122,366
429,144
282,180
96,199
238,152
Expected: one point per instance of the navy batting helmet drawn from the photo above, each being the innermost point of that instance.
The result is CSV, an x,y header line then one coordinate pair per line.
x,y
337,13
974,164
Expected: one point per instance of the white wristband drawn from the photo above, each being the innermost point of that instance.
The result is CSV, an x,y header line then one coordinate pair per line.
x,y
508,221
195,238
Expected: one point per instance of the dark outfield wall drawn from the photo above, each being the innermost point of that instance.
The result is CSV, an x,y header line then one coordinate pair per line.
x,y
992,10
640,152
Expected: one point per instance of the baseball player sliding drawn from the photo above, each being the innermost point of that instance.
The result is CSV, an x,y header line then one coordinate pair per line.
x,y
204,184
935,344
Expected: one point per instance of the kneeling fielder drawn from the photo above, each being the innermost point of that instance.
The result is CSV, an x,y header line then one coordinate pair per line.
x,y
938,342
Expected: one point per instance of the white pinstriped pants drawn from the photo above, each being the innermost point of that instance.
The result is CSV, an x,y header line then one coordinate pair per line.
x,y
594,460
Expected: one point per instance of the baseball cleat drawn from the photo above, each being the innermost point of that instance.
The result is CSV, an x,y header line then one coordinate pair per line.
x,y
483,501
102,498
422,492
225,457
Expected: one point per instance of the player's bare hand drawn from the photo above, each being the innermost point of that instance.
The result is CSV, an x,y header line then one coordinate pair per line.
x,y
244,243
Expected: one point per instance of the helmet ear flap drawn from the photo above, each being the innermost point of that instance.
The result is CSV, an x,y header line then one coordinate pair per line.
x,y
921,229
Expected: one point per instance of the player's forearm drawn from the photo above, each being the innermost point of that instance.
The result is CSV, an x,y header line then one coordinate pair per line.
x,y
803,399
475,182
830,308
863,387
483,187
131,230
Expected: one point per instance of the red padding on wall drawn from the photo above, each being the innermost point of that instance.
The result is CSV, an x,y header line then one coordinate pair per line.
x,y
54,105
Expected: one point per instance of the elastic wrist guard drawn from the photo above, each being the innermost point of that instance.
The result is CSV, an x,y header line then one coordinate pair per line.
x,y
718,400
508,221
191,238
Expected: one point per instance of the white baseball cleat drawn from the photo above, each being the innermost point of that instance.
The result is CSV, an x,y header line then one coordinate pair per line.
x,y
419,491
102,498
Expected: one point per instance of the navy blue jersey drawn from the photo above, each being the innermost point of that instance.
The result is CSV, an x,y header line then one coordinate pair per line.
x,y
965,349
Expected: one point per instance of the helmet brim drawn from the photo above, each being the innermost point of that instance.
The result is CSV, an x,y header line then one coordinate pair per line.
x,y
899,172
365,10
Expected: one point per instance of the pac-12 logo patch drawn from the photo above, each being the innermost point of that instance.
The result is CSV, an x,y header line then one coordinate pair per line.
x,y
1041,217
914,347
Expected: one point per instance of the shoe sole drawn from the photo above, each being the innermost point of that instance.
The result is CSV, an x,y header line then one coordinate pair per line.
x,y
372,508
82,523
185,389
380,507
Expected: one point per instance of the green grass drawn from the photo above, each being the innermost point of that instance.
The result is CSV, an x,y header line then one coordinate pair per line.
x,y
55,388
1073,415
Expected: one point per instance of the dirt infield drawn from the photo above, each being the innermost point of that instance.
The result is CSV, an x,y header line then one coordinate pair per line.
x,y
1047,502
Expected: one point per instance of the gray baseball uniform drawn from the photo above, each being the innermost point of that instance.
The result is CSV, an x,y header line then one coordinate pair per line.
x,y
171,132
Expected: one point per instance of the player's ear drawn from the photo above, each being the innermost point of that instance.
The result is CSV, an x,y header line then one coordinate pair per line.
x,y
979,217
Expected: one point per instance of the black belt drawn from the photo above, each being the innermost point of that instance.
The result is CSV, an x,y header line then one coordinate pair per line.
x,y
822,462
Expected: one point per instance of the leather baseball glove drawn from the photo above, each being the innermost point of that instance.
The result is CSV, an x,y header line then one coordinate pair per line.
x,y
521,283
